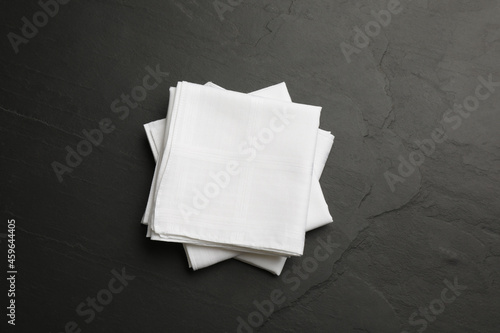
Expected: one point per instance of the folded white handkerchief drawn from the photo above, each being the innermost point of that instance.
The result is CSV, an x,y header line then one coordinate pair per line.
x,y
238,171
318,215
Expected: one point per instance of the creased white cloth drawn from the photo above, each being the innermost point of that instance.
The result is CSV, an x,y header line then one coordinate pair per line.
x,y
318,215
238,171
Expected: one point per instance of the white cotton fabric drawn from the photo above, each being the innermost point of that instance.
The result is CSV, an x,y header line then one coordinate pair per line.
x,y
238,171
318,215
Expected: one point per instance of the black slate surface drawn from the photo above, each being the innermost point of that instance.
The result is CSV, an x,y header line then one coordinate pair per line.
x,y
395,254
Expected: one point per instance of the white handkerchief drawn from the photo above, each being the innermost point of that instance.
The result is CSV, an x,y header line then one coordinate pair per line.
x,y
199,256
238,171
318,214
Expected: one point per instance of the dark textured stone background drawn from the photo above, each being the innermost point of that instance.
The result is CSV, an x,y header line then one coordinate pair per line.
x,y
396,248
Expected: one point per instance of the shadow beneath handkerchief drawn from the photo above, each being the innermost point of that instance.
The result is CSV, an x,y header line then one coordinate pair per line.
x,y
165,252
146,147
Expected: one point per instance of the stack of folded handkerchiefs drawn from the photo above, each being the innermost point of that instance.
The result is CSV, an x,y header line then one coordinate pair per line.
x,y
237,175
